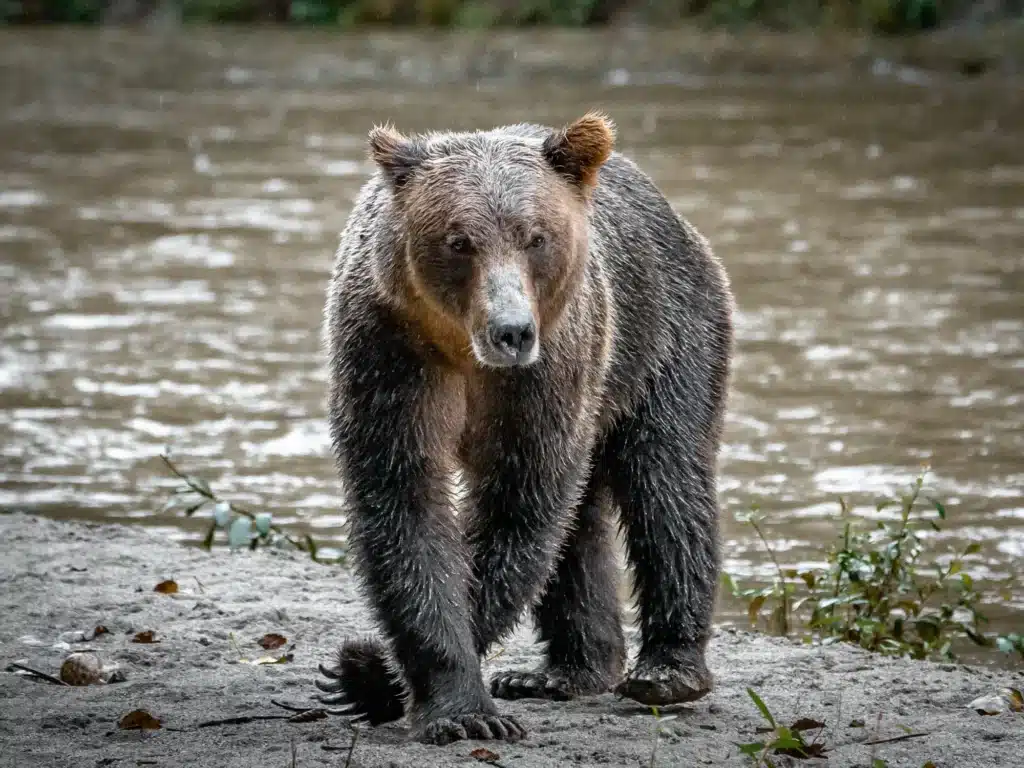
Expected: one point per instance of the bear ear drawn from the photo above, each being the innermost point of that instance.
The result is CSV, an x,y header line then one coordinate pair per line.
x,y
578,150
395,154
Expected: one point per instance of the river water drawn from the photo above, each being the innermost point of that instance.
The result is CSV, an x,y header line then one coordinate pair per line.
x,y
170,203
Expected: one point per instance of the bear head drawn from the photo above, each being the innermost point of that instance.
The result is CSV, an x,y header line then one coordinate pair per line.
x,y
494,228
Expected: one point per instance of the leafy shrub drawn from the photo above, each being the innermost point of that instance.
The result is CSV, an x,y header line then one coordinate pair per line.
x,y
879,589
243,527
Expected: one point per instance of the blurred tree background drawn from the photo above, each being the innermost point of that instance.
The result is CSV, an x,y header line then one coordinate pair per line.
x,y
883,16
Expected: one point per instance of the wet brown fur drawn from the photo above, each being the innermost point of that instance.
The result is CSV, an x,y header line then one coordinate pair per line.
x,y
622,411
580,149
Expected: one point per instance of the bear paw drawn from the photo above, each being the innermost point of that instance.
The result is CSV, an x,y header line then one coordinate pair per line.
x,y
553,684
661,684
445,730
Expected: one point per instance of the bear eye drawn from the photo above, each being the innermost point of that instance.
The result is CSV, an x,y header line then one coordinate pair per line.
x,y
538,241
459,244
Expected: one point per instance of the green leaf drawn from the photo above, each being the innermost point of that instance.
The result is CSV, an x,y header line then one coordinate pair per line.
x,y
755,607
973,548
786,740
170,504
809,578
1004,644
199,484
195,508
311,545
938,506
928,629
879,763
178,501
222,513
263,523
239,532
955,567
208,539
727,580
977,638
761,706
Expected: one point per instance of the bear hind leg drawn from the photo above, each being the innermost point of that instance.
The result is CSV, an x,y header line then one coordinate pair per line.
x,y
663,479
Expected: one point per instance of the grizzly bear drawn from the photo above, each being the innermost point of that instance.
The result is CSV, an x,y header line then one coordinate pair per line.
x,y
523,306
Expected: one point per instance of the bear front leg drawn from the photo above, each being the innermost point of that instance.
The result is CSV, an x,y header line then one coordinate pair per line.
x,y
387,414
529,460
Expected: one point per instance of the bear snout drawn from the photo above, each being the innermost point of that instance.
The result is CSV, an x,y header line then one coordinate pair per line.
x,y
509,335
514,336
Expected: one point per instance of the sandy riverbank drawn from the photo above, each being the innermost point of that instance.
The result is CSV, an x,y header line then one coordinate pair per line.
x,y
59,577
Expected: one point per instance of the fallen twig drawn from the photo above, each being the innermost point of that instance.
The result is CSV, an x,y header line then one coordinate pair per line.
x,y
37,673
291,707
302,710
902,737
240,720
352,746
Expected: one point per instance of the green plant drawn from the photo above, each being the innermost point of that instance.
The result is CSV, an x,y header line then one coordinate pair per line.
x,y
659,729
782,739
244,527
878,589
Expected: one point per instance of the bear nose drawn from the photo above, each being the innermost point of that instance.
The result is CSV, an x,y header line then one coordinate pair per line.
x,y
514,338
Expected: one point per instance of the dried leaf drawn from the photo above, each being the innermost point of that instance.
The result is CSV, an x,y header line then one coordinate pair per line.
x,y
100,630
139,719
485,755
802,751
806,724
288,656
169,587
1015,698
146,636
271,641
997,703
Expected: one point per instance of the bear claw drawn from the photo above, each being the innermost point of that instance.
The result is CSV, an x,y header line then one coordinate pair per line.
x,y
446,730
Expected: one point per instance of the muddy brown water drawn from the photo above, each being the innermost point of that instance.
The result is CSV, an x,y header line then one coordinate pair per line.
x,y
170,203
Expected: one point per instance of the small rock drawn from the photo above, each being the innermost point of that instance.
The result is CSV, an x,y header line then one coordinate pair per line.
x,y
85,668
